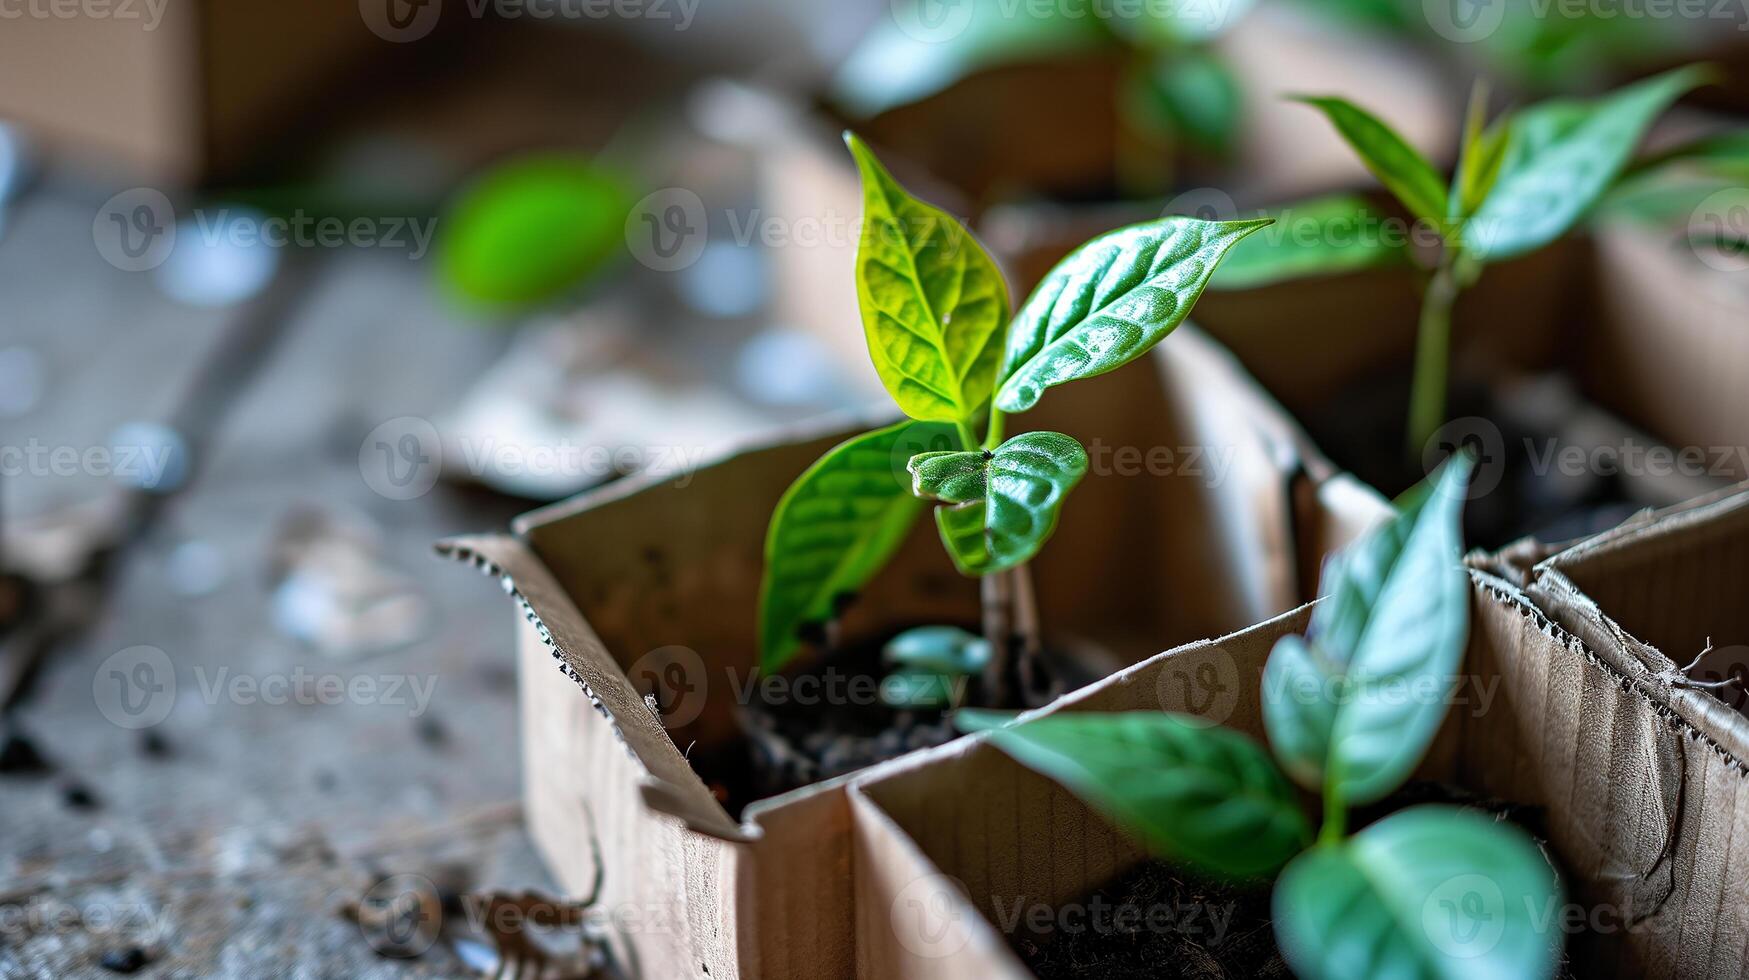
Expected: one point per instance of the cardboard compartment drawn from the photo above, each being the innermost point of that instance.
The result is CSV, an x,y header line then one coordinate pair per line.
x,y
1642,805
1203,511
1668,348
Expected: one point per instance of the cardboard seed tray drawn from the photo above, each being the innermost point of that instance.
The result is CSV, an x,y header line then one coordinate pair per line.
x,y
1643,783
622,584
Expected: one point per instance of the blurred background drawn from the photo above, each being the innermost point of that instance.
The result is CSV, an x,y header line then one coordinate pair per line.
x,y
290,291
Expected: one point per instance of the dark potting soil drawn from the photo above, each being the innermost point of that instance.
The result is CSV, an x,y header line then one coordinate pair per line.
x,y
1154,921
1518,488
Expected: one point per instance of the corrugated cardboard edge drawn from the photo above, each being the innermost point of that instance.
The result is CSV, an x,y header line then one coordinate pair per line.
x,y
672,787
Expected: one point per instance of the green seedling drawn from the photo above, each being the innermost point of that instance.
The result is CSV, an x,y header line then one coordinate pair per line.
x,y
1522,181
936,316
1350,709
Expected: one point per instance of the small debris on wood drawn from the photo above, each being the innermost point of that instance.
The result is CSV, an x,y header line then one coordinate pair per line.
x,y
18,754
154,745
128,960
77,796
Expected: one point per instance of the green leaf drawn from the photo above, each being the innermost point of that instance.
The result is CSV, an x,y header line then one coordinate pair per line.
x,y
1564,156
1352,710
532,229
1325,236
1015,492
1189,94
1428,892
942,649
1110,301
922,47
1186,788
918,689
1171,26
1397,165
834,529
933,304
1479,161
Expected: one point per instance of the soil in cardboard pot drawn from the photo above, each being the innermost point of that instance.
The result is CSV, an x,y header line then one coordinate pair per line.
x,y
1521,489
826,719
1155,922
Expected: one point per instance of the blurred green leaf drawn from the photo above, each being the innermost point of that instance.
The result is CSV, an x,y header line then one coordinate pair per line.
x,y
1192,95
1397,165
940,649
1325,236
1429,892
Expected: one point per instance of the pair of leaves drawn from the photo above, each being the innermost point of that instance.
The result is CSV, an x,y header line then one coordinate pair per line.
x,y
1428,892
1004,502
834,528
1525,181
1351,709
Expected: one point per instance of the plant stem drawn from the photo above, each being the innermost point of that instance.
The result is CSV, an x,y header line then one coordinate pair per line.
x,y
1432,354
968,441
1028,645
1335,817
998,598
993,436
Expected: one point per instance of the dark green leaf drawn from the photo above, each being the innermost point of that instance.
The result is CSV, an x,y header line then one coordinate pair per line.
x,y
1191,95
1016,490
533,229
933,304
1397,165
1188,789
1428,892
834,529
1322,237
1353,710
921,47
1564,156
942,649
1110,301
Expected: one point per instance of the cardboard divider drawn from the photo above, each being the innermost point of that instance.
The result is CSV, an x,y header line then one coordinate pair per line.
x,y
1203,510
1644,813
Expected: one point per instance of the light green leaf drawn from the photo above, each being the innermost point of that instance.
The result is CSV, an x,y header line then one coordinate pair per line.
x,y
834,529
1110,301
1428,892
1186,788
942,649
1325,236
1397,165
1479,161
918,48
1564,156
1189,94
533,228
933,304
1015,490
1352,711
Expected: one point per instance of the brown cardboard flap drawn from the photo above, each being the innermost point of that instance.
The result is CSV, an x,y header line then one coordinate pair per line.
x,y
673,787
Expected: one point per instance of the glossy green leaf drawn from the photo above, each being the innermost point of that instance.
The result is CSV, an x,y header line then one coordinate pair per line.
x,y
1397,165
1564,156
1186,788
933,304
1325,236
1352,709
1110,301
963,535
942,649
921,47
834,529
1017,489
532,229
1429,892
